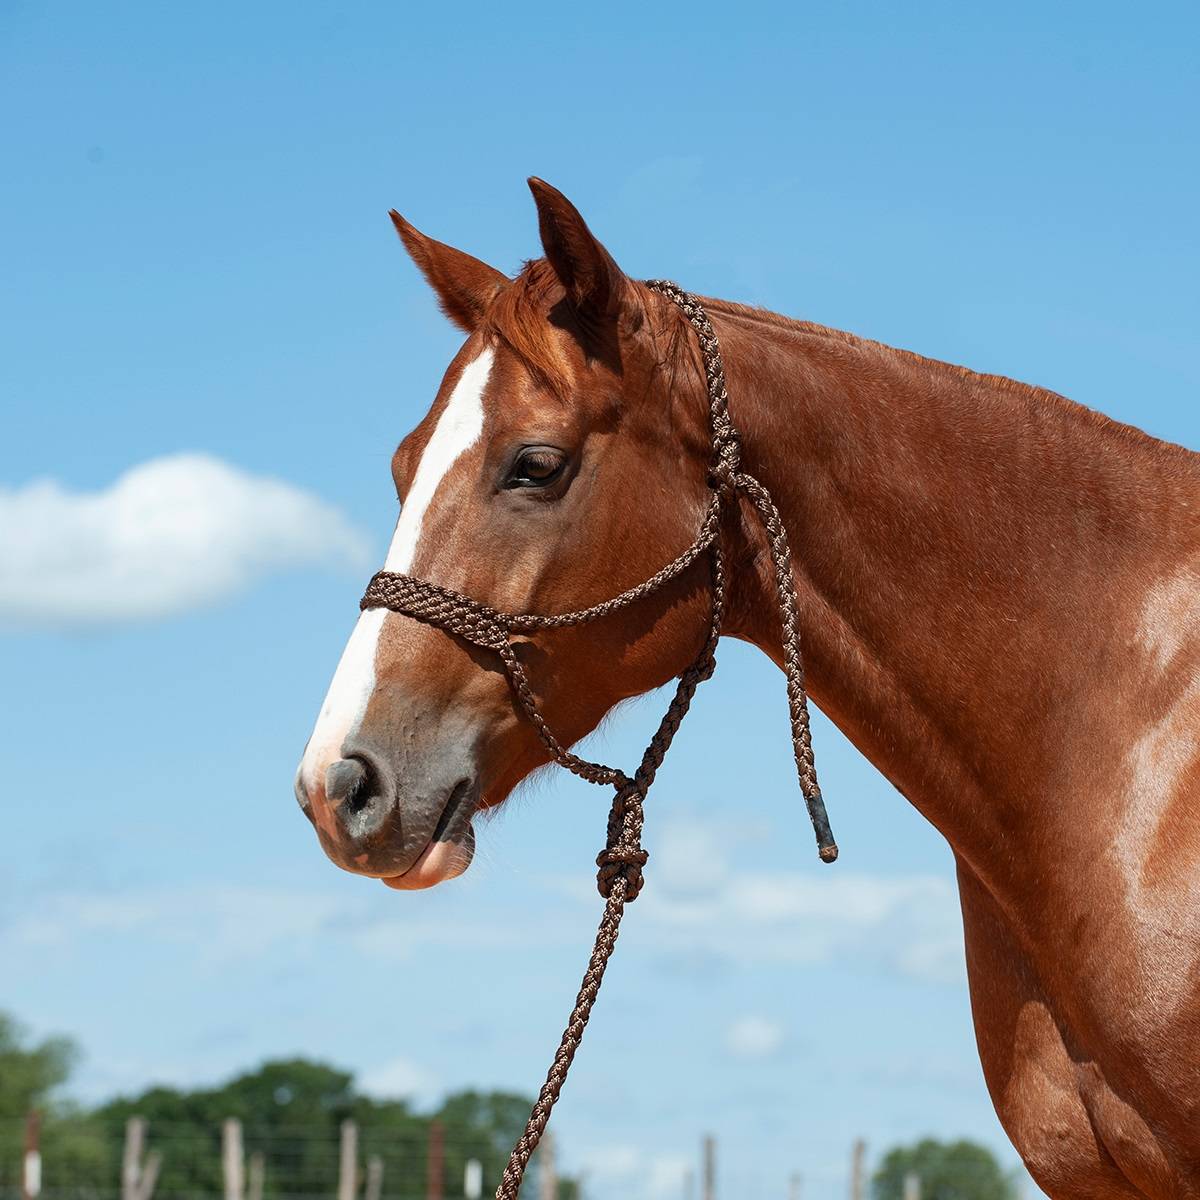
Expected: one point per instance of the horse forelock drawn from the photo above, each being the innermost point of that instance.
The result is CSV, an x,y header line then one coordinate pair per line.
x,y
532,319
520,317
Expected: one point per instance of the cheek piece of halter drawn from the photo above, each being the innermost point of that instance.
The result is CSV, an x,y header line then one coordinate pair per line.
x,y
621,861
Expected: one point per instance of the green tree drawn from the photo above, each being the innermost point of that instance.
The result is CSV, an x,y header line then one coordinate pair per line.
x,y
959,1170
32,1075
291,1112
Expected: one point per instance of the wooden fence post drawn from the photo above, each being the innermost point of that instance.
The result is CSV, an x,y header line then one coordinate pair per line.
x,y
794,1186
857,1162
131,1157
256,1176
232,1160
912,1186
348,1162
708,1182
149,1180
473,1179
31,1160
374,1178
139,1170
548,1171
435,1178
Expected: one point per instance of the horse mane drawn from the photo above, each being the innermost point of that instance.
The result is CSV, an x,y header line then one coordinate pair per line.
x,y
856,341
1030,394
520,316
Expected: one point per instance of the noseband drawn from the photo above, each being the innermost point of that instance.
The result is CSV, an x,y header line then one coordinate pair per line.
x,y
620,863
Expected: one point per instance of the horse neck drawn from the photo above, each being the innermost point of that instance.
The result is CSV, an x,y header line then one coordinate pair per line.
x,y
973,558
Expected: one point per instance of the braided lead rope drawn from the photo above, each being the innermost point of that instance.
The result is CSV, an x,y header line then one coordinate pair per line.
x,y
620,864
619,880
793,663
727,478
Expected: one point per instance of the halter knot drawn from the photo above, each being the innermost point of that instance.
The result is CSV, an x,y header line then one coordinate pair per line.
x,y
621,862
727,460
623,856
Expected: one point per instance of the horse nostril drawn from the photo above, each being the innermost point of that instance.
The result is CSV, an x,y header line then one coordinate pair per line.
x,y
345,783
358,793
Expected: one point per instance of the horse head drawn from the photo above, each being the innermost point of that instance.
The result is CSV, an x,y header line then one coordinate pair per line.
x,y
563,460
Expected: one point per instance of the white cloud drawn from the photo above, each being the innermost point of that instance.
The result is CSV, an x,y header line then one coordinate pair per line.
x,y
703,904
907,926
630,1171
171,534
398,1078
754,1037
222,923
692,857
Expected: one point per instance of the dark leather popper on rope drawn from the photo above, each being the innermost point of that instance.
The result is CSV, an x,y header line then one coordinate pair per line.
x,y
620,863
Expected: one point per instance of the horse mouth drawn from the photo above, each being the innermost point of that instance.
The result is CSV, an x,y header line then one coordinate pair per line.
x,y
450,848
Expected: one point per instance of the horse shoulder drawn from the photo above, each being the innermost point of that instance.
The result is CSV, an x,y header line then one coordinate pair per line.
x,y
1161,824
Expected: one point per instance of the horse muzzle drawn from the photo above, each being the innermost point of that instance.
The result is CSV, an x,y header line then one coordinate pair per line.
x,y
370,823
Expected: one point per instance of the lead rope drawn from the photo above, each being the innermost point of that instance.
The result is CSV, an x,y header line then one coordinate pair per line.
x,y
619,876
728,478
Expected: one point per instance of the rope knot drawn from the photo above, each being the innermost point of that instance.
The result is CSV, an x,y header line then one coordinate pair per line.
x,y
623,856
727,459
621,862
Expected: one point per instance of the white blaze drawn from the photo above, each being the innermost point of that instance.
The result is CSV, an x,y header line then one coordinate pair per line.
x,y
458,429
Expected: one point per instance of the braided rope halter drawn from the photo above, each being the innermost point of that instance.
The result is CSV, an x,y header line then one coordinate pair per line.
x,y
620,863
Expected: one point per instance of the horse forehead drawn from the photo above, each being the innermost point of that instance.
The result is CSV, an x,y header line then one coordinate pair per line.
x,y
505,391
458,417
517,391
462,389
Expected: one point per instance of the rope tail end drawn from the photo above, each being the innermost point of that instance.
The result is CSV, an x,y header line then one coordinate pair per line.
x,y
826,846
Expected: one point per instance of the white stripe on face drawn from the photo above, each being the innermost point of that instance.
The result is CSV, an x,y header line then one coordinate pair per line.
x,y
457,429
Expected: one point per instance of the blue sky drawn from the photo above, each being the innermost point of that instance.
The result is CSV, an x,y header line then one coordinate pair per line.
x,y
202,287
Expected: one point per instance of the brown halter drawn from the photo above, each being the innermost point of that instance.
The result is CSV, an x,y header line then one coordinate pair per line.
x,y
620,863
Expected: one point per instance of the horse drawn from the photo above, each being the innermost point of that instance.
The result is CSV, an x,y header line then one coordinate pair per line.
x,y
999,597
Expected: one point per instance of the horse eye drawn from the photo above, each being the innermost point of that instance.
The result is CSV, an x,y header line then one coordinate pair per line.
x,y
536,467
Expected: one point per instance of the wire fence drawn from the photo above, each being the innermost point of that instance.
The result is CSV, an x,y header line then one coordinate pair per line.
x,y
88,1159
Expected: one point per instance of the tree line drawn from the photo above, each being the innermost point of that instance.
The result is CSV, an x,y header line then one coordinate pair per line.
x,y
291,1111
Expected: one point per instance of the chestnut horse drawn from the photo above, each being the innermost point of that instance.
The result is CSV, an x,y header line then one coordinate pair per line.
x,y
999,593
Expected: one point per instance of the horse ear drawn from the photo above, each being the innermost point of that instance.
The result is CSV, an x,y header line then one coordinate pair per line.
x,y
464,285
594,283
